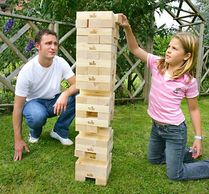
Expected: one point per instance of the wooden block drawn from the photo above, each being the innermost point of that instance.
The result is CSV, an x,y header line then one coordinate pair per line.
x,y
95,15
94,86
93,156
96,63
94,100
93,146
96,31
92,122
81,23
118,18
96,93
86,114
101,23
95,78
101,106
95,82
108,40
83,55
106,71
92,168
92,55
104,117
96,39
101,131
93,114
94,104
88,39
90,155
81,39
93,39
94,143
93,71
86,128
86,55
98,181
81,70
107,55
98,170
96,47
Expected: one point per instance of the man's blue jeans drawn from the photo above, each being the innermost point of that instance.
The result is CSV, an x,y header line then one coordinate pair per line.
x,y
168,145
37,111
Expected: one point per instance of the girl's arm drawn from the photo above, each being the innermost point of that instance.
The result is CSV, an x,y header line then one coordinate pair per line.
x,y
196,122
131,40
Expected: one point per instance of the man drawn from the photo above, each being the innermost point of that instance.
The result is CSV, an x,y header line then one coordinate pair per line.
x,y
38,94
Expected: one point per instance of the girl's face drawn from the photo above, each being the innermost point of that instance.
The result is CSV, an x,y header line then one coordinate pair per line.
x,y
175,54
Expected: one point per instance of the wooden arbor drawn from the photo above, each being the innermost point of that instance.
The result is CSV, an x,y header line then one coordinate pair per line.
x,y
183,12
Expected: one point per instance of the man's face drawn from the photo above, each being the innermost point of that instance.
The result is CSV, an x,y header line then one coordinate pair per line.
x,y
47,47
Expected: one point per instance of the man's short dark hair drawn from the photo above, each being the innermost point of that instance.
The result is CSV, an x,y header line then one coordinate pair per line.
x,y
40,34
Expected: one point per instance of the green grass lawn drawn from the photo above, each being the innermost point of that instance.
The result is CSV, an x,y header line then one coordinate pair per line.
x,y
49,168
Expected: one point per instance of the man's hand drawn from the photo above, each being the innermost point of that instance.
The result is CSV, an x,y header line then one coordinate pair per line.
x,y
61,104
20,146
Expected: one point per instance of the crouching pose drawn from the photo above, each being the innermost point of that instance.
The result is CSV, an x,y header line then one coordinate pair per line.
x,y
38,94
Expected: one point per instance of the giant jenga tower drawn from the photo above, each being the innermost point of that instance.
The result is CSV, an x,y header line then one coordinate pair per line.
x,y
96,50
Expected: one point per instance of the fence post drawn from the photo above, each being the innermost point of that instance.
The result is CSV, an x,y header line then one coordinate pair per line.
x,y
200,56
147,75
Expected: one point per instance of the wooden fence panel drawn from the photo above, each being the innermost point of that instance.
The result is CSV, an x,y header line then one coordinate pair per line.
x,y
131,83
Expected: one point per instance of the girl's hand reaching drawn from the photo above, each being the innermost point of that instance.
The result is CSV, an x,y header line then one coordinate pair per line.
x,y
124,21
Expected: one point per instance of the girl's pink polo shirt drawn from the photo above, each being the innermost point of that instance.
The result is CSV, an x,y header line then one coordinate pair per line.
x,y
166,94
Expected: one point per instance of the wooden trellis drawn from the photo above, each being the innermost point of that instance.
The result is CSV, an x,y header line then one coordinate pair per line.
x,y
188,19
204,82
30,23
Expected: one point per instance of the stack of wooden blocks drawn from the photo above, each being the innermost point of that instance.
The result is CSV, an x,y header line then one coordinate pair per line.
x,y
96,50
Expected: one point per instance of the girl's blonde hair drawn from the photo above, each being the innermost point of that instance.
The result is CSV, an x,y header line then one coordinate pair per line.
x,y
190,45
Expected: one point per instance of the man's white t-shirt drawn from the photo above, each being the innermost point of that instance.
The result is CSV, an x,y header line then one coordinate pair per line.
x,y
35,81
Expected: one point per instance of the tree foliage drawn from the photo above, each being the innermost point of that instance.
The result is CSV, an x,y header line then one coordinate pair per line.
x,y
139,12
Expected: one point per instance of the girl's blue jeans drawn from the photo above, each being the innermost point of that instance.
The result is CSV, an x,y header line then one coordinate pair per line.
x,y
37,111
168,145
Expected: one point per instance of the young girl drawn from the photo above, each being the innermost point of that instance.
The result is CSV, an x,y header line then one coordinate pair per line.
x,y
172,80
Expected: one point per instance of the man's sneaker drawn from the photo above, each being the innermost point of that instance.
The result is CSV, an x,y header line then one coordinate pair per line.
x,y
64,141
32,139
